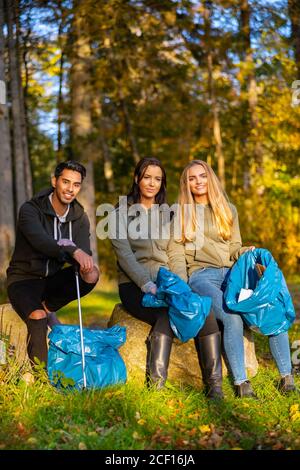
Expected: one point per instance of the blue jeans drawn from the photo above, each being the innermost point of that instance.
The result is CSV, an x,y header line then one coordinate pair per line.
x,y
211,282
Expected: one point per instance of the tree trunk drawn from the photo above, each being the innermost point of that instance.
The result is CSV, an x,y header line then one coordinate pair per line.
x,y
60,100
21,160
294,13
7,233
253,139
87,199
99,129
23,108
128,126
60,107
213,98
216,122
81,115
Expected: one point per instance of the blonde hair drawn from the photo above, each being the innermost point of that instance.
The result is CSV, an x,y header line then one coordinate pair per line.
x,y
217,199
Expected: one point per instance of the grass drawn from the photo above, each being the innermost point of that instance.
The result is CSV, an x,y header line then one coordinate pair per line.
x,y
96,309
37,416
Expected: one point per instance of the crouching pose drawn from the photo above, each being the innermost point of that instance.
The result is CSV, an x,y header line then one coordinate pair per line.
x,y
52,229
139,257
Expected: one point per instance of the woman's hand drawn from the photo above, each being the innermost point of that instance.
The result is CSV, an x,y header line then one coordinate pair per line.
x,y
249,248
149,288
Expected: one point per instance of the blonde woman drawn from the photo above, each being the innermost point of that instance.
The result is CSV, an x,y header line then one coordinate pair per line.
x,y
211,236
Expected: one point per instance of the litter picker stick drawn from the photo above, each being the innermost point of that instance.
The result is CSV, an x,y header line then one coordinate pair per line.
x,y
80,326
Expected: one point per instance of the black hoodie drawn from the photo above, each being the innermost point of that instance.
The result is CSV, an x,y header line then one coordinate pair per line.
x,y
37,254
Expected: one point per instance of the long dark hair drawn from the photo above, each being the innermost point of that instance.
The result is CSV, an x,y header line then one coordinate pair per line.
x,y
134,194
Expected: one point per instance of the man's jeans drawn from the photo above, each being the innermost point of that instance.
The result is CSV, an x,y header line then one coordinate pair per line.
x,y
211,282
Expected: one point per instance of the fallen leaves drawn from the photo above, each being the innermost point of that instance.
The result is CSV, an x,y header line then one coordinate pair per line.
x,y
163,420
294,413
161,437
32,441
138,418
135,435
204,428
241,416
82,446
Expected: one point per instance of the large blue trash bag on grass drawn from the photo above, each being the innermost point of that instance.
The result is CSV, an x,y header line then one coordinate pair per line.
x,y
187,310
103,362
269,310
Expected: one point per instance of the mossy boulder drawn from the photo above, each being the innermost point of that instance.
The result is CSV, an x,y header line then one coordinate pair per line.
x,y
184,366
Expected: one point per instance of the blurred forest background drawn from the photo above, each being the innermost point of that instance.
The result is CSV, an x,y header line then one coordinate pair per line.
x,y
107,82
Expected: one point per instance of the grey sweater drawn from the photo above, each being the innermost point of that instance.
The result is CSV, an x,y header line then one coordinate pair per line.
x,y
139,259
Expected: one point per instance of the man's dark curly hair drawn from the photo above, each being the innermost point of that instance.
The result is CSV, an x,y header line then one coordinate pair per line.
x,y
70,165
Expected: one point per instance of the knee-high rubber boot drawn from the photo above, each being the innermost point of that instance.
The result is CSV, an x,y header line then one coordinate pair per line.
x,y
37,340
158,356
209,355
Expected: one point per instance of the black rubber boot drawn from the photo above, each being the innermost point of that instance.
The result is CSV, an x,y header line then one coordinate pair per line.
x,y
209,355
148,346
158,355
37,340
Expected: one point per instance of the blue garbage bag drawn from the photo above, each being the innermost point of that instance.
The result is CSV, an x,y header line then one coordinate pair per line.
x,y
187,310
269,310
103,362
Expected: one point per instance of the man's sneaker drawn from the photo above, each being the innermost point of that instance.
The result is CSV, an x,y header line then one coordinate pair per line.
x,y
244,390
287,385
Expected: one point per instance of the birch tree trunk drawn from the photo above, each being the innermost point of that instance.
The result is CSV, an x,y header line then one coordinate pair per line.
x,y
7,232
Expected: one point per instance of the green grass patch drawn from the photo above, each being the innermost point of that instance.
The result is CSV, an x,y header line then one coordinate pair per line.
x,y
129,416
96,307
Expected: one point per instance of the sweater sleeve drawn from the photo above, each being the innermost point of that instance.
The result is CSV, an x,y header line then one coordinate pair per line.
x,y
125,256
30,225
176,256
236,240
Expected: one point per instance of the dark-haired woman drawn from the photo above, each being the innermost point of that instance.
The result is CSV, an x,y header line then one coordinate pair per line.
x,y
141,250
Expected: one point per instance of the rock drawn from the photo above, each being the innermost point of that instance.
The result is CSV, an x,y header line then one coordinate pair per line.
x,y
183,367
13,332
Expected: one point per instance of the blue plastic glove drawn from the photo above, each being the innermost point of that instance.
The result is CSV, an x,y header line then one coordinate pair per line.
x,y
65,242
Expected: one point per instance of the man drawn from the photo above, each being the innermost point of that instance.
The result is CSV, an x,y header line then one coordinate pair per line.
x,y
52,229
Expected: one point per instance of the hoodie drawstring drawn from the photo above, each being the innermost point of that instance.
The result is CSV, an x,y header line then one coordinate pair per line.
x,y
55,228
57,231
70,231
